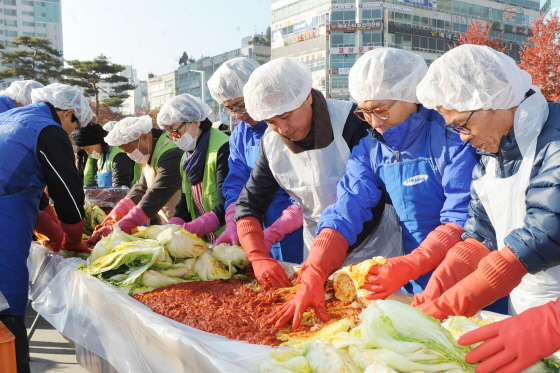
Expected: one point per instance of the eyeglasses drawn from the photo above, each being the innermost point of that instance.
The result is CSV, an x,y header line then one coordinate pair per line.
x,y
174,134
381,113
460,128
235,109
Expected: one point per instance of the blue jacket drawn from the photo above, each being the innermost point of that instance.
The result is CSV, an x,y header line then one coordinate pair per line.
x,y
6,104
537,243
422,168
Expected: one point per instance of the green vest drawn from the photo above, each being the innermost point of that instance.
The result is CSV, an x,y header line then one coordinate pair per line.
x,y
113,151
163,144
209,184
90,171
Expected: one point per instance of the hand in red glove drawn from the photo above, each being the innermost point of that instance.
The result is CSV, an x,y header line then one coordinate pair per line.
x,y
496,276
135,217
386,279
229,235
176,220
290,221
50,228
515,343
267,270
460,261
73,237
326,255
203,225
119,211
50,211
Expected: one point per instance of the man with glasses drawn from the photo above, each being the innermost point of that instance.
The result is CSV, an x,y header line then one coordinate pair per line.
x,y
283,219
412,161
158,191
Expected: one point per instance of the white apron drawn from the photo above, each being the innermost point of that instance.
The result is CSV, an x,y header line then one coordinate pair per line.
x,y
504,202
311,177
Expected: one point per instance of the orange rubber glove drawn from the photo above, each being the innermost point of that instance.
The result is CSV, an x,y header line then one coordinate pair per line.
x,y
516,343
50,228
267,270
386,279
73,236
326,255
460,261
496,276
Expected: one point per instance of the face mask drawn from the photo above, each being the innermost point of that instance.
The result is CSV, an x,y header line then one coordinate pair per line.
x,y
186,143
138,157
96,155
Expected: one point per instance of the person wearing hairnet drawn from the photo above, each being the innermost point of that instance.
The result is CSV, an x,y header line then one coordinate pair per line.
x,y
305,152
410,158
36,151
114,167
18,94
159,189
204,165
283,220
513,225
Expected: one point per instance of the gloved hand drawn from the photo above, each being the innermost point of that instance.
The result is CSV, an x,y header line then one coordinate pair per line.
x,y
50,211
496,276
119,211
290,221
229,235
46,226
73,237
267,270
203,225
326,255
460,261
386,279
100,232
176,220
516,343
135,217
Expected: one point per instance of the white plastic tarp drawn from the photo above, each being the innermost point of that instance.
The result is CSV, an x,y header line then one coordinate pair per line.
x,y
131,337
42,264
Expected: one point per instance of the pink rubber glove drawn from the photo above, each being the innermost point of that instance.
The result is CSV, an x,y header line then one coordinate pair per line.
x,y
203,225
73,236
135,217
176,220
515,343
290,221
119,211
229,235
46,226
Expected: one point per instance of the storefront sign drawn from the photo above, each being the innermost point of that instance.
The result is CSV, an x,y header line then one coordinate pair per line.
x,y
421,32
350,50
426,3
311,57
386,5
341,71
355,26
343,6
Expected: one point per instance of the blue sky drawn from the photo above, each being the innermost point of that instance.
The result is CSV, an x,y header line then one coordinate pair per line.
x,y
151,35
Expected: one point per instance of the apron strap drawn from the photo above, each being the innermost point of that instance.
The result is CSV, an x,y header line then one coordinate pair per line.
x,y
196,191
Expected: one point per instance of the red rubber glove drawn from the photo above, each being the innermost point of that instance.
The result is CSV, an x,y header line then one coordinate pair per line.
x,y
229,235
73,237
386,279
119,211
267,270
203,225
135,217
496,276
460,261
100,232
50,211
516,343
46,226
290,221
326,255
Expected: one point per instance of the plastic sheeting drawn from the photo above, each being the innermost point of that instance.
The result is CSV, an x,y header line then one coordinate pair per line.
x,y
42,264
3,303
128,335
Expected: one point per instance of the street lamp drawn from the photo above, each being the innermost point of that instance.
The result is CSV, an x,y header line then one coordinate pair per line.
x,y
202,83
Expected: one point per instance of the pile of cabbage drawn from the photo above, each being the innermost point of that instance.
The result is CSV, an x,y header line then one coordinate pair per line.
x,y
94,217
392,337
159,256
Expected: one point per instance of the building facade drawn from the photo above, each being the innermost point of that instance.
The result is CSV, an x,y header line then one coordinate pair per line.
x,y
42,19
330,35
161,89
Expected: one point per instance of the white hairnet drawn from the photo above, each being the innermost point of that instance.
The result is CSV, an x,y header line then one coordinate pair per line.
x,y
386,74
65,97
228,81
20,91
109,125
277,87
183,108
128,130
472,77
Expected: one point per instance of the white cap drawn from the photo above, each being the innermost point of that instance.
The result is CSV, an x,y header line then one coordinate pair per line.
x,y
183,108
277,87
109,125
65,97
228,81
128,130
386,74
472,77
20,91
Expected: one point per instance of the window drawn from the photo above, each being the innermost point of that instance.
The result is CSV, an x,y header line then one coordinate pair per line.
x,y
31,24
27,2
40,24
25,13
28,33
372,38
39,3
343,60
371,15
41,35
10,12
11,22
10,2
343,39
169,84
11,33
42,15
346,16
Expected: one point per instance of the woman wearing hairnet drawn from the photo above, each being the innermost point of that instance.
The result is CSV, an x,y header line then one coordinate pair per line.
x,y
114,167
204,165
410,158
36,153
514,221
158,190
18,94
283,220
305,152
